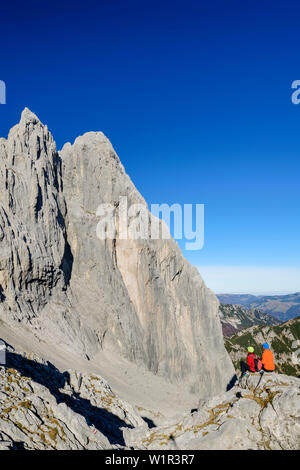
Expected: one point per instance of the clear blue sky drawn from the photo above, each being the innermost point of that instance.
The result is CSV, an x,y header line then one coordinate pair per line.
x,y
195,97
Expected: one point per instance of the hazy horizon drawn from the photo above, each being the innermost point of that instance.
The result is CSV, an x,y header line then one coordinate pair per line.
x,y
245,279
259,293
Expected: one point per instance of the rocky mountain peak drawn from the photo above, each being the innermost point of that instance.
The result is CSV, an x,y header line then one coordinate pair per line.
x,y
28,116
139,299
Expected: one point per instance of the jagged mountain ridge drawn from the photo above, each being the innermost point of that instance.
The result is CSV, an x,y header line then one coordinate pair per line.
x,y
235,318
282,307
138,298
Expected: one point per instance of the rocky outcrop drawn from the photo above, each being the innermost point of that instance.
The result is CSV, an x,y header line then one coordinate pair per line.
x,y
139,298
42,408
255,415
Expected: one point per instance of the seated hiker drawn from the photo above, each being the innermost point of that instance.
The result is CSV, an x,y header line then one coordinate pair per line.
x,y
267,359
250,365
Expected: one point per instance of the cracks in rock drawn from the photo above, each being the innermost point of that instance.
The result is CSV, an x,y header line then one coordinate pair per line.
x,y
114,253
2,295
177,274
101,338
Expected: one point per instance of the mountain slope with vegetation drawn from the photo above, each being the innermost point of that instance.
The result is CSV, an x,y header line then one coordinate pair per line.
x,y
284,341
235,318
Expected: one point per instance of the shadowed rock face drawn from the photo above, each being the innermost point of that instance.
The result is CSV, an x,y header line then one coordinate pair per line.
x,y
42,408
139,298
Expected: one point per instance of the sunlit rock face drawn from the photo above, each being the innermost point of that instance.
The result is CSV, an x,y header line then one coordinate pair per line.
x,y
138,298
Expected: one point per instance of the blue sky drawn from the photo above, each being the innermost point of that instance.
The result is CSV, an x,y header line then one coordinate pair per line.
x,y
196,99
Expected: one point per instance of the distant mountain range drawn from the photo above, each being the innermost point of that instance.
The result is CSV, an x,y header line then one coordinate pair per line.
x,y
284,341
235,318
282,307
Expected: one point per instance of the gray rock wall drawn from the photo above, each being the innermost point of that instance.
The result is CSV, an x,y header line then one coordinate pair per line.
x,y
139,298
32,211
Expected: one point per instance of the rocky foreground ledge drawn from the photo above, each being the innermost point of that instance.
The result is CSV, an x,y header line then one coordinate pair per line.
x,y
260,417
42,408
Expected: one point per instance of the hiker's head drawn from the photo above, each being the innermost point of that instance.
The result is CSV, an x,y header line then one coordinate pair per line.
x,y
250,349
266,346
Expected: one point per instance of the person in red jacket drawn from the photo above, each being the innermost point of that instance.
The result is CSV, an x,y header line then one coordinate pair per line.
x,y
250,365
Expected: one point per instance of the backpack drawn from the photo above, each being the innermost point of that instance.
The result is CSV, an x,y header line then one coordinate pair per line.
x,y
258,364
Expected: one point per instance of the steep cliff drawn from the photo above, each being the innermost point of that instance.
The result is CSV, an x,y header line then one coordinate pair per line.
x,y
138,298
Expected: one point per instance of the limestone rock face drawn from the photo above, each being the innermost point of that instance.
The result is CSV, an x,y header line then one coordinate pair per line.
x,y
32,211
138,298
